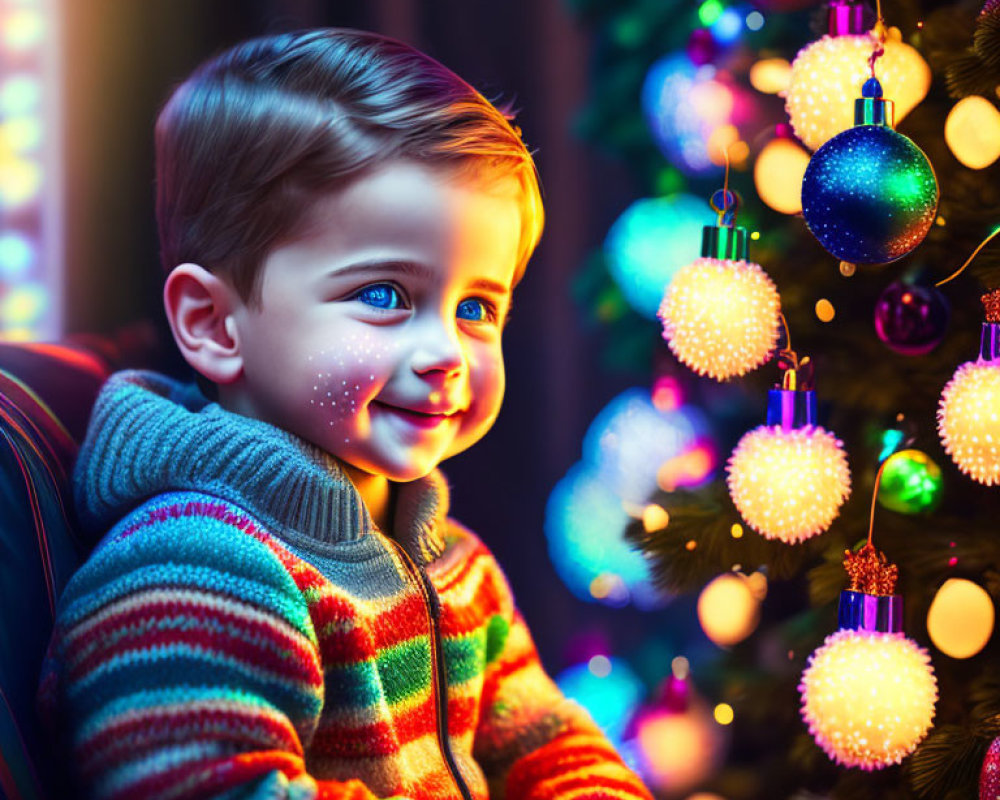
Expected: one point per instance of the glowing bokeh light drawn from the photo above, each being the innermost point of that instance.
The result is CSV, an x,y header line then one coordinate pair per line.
x,y
611,699
585,527
778,174
969,420
825,312
728,26
655,518
868,697
789,485
710,11
20,181
23,304
677,749
770,75
668,395
21,134
755,20
599,666
19,94
684,104
649,242
690,469
17,256
624,449
960,619
630,439
972,131
728,610
22,29
827,76
723,714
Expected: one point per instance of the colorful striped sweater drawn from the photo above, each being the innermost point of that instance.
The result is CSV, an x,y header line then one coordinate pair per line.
x,y
243,630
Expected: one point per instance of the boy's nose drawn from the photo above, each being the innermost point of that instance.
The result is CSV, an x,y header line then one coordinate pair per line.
x,y
438,350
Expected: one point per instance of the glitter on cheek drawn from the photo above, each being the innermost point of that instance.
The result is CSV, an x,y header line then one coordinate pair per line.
x,y
344,377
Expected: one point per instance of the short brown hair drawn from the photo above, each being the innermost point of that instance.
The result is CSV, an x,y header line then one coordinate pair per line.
x,y
260,130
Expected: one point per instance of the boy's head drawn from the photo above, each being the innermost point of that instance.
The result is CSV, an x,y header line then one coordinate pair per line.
x,y
257,133
344,219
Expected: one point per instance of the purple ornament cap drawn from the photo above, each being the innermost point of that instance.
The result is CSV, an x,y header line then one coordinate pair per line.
x,y
989,343
868,612
791,408
846,19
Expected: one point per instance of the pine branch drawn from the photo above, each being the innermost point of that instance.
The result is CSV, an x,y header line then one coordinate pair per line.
x,y
947,761
697,544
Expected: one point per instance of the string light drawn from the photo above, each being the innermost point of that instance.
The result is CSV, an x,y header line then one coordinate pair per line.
x,y
29,174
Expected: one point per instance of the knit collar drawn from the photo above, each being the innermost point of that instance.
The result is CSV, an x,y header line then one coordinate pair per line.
x,y
150,434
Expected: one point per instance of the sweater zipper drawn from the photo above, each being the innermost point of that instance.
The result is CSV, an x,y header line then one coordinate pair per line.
x,y
439,675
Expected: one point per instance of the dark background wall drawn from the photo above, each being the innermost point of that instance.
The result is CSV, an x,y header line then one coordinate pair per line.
x,y
121,58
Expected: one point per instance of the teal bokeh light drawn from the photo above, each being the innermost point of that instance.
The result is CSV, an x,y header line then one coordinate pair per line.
x,y
611,699
649,242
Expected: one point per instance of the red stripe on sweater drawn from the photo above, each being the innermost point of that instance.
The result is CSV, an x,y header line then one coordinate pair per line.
x,y
133,625
365,637
459,619
386,737
218,775
301,669
453,579
495,677
139,730
568,754
593,786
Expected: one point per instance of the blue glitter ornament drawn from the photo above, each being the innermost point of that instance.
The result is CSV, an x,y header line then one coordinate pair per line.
x,y
869,194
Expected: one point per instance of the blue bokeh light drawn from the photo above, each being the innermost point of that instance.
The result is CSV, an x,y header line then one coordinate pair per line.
x,y
585,524
630,439
683,104
612,700
19,94
17,256
728,26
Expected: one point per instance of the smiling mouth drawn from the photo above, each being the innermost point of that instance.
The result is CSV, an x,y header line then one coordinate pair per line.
x,y
419,419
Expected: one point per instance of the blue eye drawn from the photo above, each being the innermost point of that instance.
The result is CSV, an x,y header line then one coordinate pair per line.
x,y
475,310
381,295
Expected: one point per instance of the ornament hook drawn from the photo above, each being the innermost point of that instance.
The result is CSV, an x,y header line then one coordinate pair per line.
x,y
968,261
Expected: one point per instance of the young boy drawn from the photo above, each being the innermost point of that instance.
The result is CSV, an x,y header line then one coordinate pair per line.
x,y
281,608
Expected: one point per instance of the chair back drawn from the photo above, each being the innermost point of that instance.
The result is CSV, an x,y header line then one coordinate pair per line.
x,y
46,393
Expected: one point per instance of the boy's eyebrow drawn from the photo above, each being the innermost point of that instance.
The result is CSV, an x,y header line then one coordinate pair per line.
x,y
414,268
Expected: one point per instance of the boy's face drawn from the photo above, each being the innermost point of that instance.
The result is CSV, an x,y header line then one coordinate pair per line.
x,y
378,335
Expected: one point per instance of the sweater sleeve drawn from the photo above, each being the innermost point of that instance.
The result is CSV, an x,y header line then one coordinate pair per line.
x,y
532,742
184,665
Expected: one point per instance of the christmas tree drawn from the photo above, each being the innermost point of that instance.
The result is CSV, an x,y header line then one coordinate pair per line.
x,y
700,101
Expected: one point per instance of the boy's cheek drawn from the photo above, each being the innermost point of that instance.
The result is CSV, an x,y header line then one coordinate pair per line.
x,y
342,378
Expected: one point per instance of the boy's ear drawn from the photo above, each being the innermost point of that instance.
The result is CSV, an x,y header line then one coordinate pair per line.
x,y
200,308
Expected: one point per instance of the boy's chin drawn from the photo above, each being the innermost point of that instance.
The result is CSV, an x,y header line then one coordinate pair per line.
x,y
396,473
